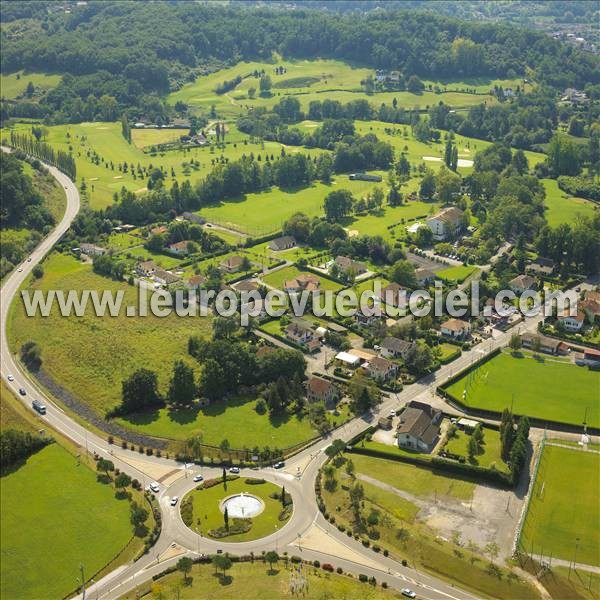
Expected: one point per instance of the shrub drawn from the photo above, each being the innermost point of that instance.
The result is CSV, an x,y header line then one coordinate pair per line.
x,y
339,570
327,567
111,440
384,584
317,564
254,480
362,577
385,552
376,548
366,543
296,559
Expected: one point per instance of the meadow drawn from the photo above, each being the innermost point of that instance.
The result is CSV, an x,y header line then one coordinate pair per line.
x,y
562,208
90,356
277,279
14,85
489,454
208,515
40,558
564,506
264,583
534,386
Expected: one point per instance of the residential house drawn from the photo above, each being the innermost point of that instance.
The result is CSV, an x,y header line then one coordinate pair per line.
x,y
247,285
165,278
447,223
419,427
522,283
492,316
159,230
145,268
179,248
305,282
92,249
424,276
350,267
392,347
393,294
590,307
299,332
195,282
364,318
541,266
322,390
232,264
345,359
456,328
282,243
572,322
381,369
548,345
193,218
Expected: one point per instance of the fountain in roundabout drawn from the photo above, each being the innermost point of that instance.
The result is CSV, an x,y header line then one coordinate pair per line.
x,y
242,506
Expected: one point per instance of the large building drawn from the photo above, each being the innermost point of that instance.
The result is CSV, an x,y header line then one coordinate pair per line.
x,y
446,223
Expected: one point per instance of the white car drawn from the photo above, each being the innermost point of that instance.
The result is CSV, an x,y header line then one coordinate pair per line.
x,y
20,270
155,487
174,500
11,378
392,413
234,470
198,478
408,593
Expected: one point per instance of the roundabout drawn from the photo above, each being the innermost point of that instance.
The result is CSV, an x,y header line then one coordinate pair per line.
x,y
238,510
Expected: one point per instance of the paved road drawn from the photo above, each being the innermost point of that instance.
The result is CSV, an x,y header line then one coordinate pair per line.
x,y
298,477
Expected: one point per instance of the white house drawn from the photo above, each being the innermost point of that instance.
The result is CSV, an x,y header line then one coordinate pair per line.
x,y
419,427
455,328
179,248
446,223
572,322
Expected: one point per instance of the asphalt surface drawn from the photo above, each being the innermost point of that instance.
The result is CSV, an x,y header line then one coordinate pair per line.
x,y
298,477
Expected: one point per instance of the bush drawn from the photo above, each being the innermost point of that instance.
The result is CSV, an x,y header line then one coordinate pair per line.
x,y
376,548
384,584
296,559
327,567
254,481
385,552
339,570
317,564
362,577
366,543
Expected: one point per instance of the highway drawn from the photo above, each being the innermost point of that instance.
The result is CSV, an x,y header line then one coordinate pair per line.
x,y
306,534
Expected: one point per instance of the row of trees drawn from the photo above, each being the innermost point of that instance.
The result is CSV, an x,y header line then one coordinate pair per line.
x,y
32,146
17,445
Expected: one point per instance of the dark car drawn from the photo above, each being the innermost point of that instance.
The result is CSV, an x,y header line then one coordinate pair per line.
x,y
22,392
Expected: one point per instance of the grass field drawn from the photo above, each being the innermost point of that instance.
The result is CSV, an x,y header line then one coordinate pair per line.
x,y
89,355
208,515
145,138
55,516
536,387
564,506
234,419
448,351
457,274
14,85
563,208
265,584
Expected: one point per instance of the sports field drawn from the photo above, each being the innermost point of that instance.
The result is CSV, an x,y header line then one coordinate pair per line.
x,y
540,387
55,517
564,511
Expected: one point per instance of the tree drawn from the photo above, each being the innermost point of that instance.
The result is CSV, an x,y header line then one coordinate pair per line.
x,y
30,89
31,355
414,85
122,480
472,447
338,204
356,493
447,185
515,342
138,517
336,448
182,389
224,446
194,444
403,272
350,468
226,518
492,550
272,558
105,465
140,391
221,561
265,85
225,327
212,379
427,187
184,564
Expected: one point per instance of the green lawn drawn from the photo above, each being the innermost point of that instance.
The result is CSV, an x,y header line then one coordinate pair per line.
x,y
14,85
412,479
567,508
207,509
90,355
234,419
458,274
144,138
563,208
264,584
277,279
55,517
489,454
536,387
448,351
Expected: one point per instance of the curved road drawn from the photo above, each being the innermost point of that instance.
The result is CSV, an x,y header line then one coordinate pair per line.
x,y
305,526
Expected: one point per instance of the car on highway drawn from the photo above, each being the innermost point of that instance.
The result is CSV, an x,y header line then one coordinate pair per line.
x,y
234,470
20,270
11,378
22,392
155,487
198,478
408,593
279,465
39,407
174,500
29,259
392,413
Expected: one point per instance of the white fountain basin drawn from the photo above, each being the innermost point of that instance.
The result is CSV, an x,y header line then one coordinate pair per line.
x,y
242,506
